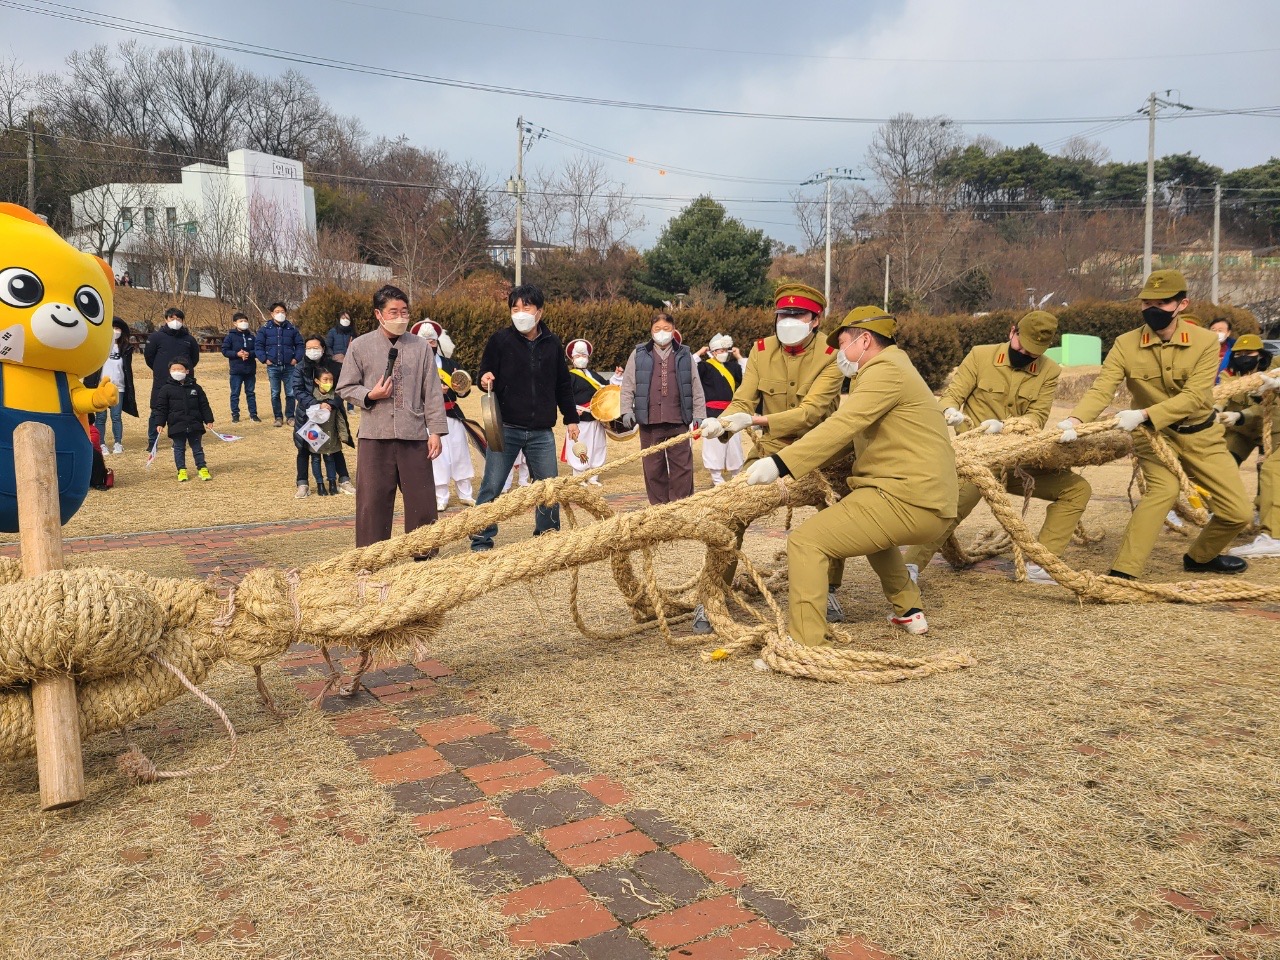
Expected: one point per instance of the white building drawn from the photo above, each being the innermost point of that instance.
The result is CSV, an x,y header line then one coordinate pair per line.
x,y
256,204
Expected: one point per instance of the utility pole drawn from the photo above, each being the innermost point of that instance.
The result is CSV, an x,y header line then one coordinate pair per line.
x,y
826,176
1153,103
31,161
886,283
1217,236
516,186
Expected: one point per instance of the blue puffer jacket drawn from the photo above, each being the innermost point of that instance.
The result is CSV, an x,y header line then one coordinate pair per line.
x,y
337,339
233,343
278,343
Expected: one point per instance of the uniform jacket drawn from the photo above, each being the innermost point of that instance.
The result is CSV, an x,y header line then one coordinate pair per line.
x,y
163,347
416,402
1250,409
233,343
278,343
795,392
719,381
987,386
531,378
1172,381
638,375
182,407
898,434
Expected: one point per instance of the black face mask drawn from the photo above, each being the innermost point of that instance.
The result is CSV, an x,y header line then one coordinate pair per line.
x,y
1018,360
1244,365
1157,318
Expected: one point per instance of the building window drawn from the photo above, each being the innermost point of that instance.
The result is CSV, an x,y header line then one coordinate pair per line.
x,y
149,219
139,273
192,283
126,219
171,218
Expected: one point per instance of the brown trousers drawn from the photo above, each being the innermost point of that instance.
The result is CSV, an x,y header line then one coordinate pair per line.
x,y
383,466
668,475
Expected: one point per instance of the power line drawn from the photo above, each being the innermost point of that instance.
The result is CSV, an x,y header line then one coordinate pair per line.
x,y
774,54
145,28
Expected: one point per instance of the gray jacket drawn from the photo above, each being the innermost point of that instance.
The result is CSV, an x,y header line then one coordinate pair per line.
x,y
693,404
416,404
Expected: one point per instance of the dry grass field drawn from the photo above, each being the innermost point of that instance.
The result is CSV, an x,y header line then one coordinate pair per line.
x,y
1103,784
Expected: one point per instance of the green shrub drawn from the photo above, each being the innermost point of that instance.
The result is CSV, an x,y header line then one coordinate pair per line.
x,y
933,344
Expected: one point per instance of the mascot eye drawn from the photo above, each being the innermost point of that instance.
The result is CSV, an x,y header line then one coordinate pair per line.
x,y
90,304
20,288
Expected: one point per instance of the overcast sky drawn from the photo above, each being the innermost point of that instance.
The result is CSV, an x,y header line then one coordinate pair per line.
x,y
973,60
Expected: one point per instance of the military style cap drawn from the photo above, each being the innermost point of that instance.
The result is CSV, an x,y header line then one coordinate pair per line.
x,y
864,318
1249,341
1037,331
799,296
1163,284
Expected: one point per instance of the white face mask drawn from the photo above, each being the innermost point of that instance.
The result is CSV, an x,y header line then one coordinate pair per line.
x,y
242,324
663,337
792,330
1222,337
314,354
344,322
721,355
846,366
115,334
524,320
178,375
175,324
581,362
278,317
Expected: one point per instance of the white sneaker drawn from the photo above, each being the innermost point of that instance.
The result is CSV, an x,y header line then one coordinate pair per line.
x,y
303,492
106,451
1038,574
1264,545
700,622
1174,520
595,482
347,487
913,571
915,624
467,501
118,448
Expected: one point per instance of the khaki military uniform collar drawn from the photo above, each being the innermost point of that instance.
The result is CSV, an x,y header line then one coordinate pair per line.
x,y
1181,335
1001,359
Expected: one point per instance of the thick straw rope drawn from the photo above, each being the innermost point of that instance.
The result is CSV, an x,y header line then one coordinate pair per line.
x,y
132,640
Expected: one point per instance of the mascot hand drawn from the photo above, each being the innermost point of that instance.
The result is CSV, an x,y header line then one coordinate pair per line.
x,y
105,395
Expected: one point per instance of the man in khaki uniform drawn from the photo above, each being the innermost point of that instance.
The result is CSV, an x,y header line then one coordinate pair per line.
x,y
994,383
1243,420
790,385
1169,366
902,489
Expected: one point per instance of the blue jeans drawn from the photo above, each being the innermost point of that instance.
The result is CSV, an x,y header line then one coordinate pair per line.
x,y
250,383
117,423
539,448
278,377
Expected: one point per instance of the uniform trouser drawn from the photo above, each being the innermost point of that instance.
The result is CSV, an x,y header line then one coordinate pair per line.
x,y
1242,446
668,476
1205,458
868,522
1067,492
384,466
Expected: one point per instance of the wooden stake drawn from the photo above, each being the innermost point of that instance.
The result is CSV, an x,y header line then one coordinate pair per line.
x,y
59,759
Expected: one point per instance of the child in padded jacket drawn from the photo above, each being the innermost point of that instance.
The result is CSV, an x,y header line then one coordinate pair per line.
x,y
182,410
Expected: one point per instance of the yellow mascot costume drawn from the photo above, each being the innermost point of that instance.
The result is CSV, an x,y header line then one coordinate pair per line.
x,y
55,327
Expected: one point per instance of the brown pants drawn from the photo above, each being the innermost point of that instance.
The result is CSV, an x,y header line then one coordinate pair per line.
x,y
383,466
668,475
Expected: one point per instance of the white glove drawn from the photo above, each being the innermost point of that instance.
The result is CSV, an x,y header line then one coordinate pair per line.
x,y
953,417
762,472
1068,428
991,426
1130,420
735,422
1269,384
1229,417
711,428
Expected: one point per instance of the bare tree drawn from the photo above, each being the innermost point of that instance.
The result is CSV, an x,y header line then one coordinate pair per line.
x,y
104,216
206,99
284,116
1083,150
18,93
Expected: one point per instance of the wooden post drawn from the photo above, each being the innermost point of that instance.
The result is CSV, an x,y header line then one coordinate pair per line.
x,y
59,759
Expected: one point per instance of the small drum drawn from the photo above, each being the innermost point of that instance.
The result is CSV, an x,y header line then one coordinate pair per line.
x,y
460,382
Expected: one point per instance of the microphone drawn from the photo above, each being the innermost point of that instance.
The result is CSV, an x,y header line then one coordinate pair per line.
x,y
391,362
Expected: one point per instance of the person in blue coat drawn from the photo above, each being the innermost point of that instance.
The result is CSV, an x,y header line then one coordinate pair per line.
x,y
240,349
338,339
279,346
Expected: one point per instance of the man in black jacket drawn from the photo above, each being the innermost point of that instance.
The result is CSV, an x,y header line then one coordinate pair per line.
x,y
171,342
524,366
